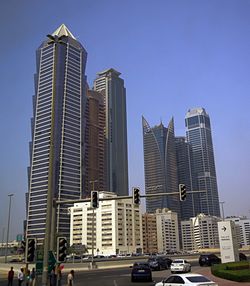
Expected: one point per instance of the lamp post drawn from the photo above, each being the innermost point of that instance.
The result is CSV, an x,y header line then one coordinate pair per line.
x,y
222,209
93,212
8,228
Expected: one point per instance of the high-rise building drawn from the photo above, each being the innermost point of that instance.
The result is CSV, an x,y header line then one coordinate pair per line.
x,y
94,151
149,233
160,166
190,206
198,131
57,147
112,87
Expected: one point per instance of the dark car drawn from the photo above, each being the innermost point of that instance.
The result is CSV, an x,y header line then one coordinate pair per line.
x,y
209,259
242,257
141,271
159,262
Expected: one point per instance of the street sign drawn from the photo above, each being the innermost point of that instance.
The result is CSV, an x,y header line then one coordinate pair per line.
x,y
39,264
52,261
19,237
39,267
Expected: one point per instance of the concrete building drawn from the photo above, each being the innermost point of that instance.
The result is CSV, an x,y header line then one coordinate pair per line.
x,y
149,233
199,135
160,166
242,229
167,231
200,232
111,86
57,147
116,228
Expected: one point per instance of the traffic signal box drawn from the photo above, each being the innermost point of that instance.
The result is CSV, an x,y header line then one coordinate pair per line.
x,y
136,196
61,249
23,246
94,199
182,192
30,249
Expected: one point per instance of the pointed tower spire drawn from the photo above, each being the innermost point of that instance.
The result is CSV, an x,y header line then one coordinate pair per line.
x,y
63,31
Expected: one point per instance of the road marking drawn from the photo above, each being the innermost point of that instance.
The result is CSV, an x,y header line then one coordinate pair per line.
x,y
115,284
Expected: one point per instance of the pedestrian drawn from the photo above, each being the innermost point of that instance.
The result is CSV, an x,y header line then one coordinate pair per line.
x,y
32,277
59,274
20,277
70,278
27,277
53,277
10,276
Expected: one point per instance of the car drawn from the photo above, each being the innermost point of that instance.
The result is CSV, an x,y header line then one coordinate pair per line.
x,y
209,259
180,265
188,279
159,262
141,271
242,257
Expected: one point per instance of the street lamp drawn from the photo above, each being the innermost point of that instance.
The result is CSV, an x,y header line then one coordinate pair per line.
x,y
8,228
222,209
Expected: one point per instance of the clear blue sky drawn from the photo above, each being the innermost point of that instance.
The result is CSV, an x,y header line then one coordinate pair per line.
x,y
173,55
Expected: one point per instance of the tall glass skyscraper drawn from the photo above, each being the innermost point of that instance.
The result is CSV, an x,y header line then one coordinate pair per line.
x,y
112,87
160,166
57,147
198,132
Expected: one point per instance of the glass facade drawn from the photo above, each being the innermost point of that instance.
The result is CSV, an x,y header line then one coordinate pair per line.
x,y
198,132
57,130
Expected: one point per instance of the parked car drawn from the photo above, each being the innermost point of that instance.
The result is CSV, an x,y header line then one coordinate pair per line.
x,y
208,259
141,271
188,279
159,262
180,265
242,257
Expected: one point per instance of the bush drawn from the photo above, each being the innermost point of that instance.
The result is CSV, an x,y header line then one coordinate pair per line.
x,y
235,271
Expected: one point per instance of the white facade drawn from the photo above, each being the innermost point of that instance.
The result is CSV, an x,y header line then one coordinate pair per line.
x,y
242,229
167,230
117,226
200,232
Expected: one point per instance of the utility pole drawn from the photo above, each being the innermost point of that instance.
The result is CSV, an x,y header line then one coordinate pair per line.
x,y
8,228
222,209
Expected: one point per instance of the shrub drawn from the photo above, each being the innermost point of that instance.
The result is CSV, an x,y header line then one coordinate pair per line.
x,y
235,271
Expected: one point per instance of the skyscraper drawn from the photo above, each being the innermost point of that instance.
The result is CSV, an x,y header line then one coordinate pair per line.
x,y
57,147
198,131
184,156
112,87
160,166
94,154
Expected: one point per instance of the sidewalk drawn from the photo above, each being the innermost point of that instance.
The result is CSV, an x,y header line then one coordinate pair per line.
x,y
221,282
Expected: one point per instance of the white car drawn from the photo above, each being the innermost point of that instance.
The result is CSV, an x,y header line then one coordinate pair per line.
x,y
180,265
189,279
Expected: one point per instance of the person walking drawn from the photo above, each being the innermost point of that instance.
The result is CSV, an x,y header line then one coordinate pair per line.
x,y
20,277
10,276
70,278
32,277
53,277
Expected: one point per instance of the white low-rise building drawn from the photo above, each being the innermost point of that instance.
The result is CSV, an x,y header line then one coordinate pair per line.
x,y
116,227
167,230
200,232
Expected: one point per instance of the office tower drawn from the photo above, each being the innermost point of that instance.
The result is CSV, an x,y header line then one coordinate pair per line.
x,y
160,166
198,131
57,148
94,151
190,206
112,87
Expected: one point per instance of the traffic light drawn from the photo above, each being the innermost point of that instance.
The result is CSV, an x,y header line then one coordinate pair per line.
x,y
94,199
136,196
182,192
30,249
61,249
23,244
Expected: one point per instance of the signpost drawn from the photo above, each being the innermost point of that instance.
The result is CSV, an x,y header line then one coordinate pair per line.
x,y
228,241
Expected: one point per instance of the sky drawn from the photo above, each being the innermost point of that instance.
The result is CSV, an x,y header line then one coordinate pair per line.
x,y
172,54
